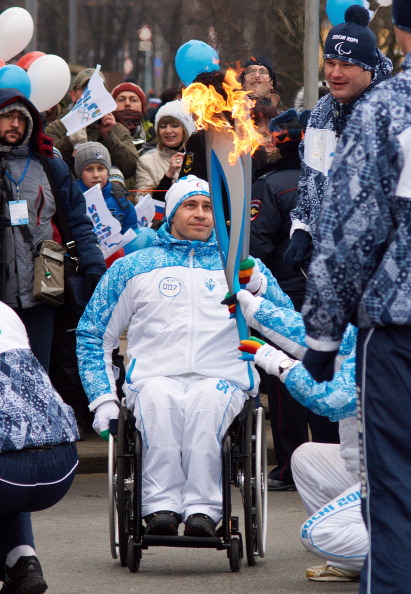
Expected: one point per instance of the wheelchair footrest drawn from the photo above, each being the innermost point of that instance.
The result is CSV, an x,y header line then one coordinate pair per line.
x,y
198,542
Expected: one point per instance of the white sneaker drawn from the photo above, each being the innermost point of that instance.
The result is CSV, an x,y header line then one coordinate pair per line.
x,y
329,573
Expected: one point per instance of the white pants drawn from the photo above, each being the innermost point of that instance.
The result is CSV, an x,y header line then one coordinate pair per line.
x,y
335,530
183,420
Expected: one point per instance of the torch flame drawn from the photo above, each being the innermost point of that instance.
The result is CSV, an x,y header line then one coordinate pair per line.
x,y
212,110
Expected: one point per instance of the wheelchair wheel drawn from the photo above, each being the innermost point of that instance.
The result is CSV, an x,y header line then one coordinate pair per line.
x,y
260,474
123,489
248,490
112,501
133,557
234,555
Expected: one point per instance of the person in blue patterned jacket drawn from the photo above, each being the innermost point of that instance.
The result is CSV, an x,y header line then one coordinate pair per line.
x,y
326,475
38,456
353,67
361,272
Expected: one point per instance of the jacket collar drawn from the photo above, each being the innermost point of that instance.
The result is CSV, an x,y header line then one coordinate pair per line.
x,y
168,241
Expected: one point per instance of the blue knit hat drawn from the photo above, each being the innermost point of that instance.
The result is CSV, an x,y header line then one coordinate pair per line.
x,y
353,41
401,14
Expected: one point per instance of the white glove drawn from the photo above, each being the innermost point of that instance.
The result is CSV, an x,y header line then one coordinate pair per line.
x,y
102,416
269,358
249,305
257,284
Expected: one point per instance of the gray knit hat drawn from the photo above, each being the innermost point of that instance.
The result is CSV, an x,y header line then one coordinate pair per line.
x,y
91,152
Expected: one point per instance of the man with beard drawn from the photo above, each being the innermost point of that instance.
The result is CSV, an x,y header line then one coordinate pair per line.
x,y
31,183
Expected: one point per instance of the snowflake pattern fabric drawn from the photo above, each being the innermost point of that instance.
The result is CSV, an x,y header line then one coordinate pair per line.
x,y
32,413
285,328
361,269
327,115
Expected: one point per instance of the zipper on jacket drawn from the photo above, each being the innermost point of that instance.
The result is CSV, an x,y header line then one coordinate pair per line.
x,y
192,317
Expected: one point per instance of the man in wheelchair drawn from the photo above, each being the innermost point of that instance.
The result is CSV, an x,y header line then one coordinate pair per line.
x,y
185,383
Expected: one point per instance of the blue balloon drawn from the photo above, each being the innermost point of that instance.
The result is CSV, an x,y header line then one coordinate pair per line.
x,y
336,9
144,238
14,77
194,57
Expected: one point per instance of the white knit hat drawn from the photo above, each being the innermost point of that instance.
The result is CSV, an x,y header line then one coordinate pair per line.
x,y
175,109
183,189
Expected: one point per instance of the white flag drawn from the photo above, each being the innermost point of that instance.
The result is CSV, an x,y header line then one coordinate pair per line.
x,y
145,211
94,103
106,227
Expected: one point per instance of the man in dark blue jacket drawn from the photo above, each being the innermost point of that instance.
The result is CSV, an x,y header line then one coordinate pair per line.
x,y
27,211
361,273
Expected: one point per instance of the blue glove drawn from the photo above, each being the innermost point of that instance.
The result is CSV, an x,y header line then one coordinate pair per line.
x,y
320,364
298,249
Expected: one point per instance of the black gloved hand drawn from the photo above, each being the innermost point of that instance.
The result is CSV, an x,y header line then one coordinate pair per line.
x,y
320,364
91,282
298,249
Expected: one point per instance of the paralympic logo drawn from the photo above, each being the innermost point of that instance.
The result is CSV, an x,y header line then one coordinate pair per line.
x,y
340,50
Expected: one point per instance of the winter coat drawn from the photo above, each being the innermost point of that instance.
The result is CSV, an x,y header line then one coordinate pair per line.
x,y
120,207
32,414
273,196
335,399
169,296
35,189
284,327
361,270
151,169
325,126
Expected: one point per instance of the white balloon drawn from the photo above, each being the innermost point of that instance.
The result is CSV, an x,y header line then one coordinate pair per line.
x,y
50,81
16,31
384,2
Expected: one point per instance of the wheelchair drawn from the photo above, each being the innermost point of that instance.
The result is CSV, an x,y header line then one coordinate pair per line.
x,y
244,465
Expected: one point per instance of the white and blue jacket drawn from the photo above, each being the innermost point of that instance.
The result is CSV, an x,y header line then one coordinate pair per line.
x,y
169,296
285,328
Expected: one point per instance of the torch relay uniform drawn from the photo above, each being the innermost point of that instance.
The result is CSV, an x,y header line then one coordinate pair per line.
x,y
361,272
37,433
325,126
184,382
326,475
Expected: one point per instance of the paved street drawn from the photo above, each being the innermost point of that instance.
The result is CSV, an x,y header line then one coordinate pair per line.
x,y
73,545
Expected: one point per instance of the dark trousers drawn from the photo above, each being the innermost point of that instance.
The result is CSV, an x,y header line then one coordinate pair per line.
x,y
383,370
31,481
290,420
64,373
39,323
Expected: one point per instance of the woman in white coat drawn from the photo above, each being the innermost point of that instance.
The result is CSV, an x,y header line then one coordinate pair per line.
x,y
158,169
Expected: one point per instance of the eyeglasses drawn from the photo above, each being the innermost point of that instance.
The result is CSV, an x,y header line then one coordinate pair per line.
x,y
11,117
255,70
